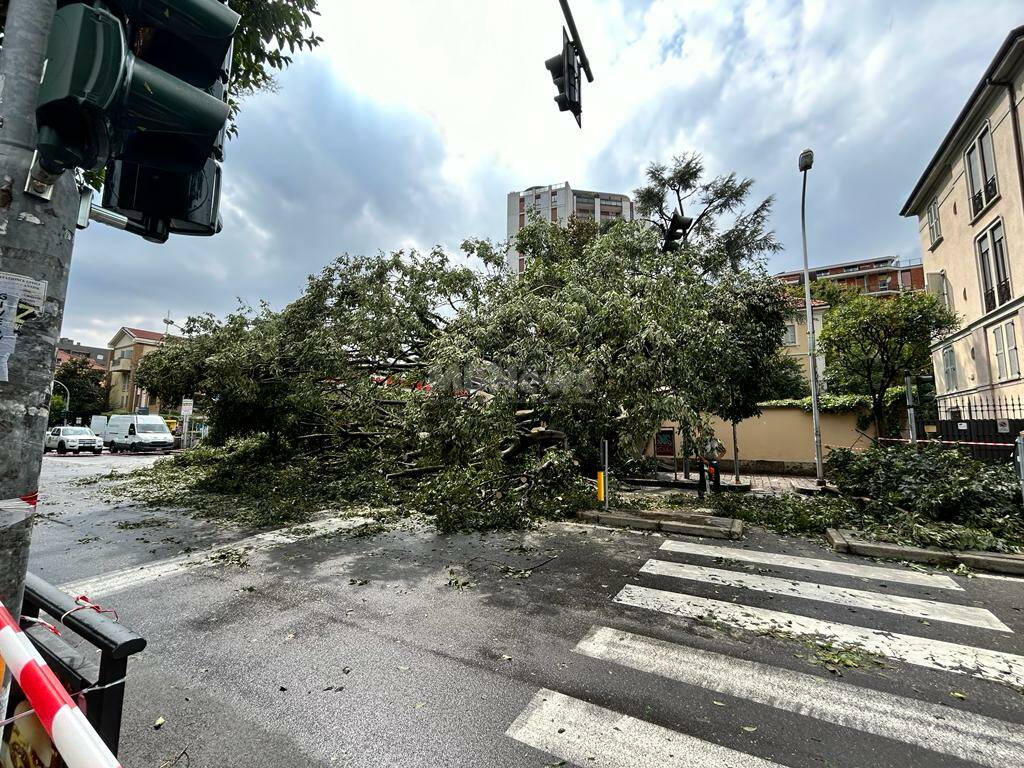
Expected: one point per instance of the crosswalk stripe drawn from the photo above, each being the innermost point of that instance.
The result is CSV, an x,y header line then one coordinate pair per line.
x,y
588,735
935,654
874,572
964,735
119,581
856,598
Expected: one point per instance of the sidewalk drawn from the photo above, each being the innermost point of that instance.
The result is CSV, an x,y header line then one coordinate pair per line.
x,y
759,483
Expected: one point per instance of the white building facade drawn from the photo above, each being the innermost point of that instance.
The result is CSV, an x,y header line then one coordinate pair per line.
x,y
557,203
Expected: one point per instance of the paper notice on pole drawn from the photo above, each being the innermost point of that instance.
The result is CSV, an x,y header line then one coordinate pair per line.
x,y
21,298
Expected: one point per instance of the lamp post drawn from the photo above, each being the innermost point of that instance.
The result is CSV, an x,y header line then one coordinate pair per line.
x,y
67,402
806,161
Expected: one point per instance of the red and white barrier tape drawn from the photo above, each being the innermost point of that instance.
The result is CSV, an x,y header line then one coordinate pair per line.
x,y
72,735
947,442
18,508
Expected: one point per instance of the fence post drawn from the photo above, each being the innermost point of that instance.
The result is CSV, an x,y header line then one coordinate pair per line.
x,y
911,415
1020,461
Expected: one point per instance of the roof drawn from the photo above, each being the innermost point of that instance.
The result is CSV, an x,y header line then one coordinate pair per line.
x,y
815,303
139,333
1002,56
890,261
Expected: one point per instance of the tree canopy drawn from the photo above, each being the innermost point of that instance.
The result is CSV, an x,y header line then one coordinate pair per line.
x,y
871,344
417,376
88,389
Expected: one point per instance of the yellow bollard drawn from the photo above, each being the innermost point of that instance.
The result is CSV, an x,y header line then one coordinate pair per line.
x,y
600,486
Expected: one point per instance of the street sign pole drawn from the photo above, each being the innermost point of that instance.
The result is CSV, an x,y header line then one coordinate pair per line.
x,y
911,414
1020,462
36,239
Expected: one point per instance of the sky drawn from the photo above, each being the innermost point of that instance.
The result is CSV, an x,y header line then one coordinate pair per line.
x,y
411,123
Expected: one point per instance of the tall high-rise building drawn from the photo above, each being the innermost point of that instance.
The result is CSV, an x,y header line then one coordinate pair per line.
x,y
557,202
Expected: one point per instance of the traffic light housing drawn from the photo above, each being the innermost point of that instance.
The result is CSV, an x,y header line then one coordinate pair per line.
x,y
675,232
565,71
142,90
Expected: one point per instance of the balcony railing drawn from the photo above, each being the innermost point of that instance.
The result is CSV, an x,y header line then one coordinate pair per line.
x,y
977,203
990,299
1003,291
990,190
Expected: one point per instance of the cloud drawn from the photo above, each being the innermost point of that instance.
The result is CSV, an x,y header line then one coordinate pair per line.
x,y
409,130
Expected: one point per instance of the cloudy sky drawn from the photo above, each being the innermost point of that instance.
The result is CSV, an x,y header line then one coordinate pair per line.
x,y
416,117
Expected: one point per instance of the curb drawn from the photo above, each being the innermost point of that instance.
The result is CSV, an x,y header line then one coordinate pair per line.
x,y
847,541
704,526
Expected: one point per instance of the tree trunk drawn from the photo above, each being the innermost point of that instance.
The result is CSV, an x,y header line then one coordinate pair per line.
x,y
735,456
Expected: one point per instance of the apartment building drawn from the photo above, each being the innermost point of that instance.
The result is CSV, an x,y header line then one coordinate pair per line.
x,y
129,346
885,276
98,357
969,204
557,203
794,339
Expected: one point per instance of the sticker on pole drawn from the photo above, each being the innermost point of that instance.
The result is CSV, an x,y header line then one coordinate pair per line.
x,y
186,406
21,298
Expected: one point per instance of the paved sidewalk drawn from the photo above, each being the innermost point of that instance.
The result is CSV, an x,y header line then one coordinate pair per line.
x,y
759,483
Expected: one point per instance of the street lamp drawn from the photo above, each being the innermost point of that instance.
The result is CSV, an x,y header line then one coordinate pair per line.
x,y
67,401
806,161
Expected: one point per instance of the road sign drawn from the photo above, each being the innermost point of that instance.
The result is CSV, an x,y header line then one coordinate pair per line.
x,y
1003,426
186,406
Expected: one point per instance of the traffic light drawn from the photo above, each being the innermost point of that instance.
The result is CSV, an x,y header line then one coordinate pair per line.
x,y
142,90
676,231
565,71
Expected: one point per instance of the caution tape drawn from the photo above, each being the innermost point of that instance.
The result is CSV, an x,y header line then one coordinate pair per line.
x,y
17,509
948,442
72,735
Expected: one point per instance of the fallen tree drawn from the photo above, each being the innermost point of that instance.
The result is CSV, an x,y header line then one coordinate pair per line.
x,y
472,394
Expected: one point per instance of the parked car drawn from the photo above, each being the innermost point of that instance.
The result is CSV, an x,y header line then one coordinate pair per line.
x,y
74,439
138,433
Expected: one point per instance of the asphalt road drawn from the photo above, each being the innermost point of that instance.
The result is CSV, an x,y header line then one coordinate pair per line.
x,y
320,647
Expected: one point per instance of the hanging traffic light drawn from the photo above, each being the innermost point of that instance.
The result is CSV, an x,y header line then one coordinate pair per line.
x,y
565,71
675,233
144,93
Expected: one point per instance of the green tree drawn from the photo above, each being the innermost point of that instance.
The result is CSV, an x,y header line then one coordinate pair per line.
x,y
723,233
474,389
87,386
870,344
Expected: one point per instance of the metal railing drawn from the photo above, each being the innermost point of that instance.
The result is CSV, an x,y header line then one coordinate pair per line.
x,y
114,641
984,426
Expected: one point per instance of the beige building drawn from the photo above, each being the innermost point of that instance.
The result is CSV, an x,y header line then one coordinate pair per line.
x,y
557,202
129,346
794,339
969,203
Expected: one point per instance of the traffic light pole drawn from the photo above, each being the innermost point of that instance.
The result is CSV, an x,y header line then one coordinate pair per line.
x,y
36,238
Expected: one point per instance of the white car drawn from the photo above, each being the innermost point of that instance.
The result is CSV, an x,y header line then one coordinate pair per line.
x,y
73,439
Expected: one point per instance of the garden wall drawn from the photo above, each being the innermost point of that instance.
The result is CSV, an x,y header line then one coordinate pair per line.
x,y
780,440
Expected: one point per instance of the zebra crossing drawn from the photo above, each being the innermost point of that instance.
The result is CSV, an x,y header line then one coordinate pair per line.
x,y
578,732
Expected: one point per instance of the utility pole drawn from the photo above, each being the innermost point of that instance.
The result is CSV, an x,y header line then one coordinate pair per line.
x,y
36,238
908,383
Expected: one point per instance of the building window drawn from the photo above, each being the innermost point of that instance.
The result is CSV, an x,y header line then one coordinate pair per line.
x,y
995,276
854,268
981,172
554,214
99,357
934,227
125,354
522,220
949,369
789,339
997,334
885,283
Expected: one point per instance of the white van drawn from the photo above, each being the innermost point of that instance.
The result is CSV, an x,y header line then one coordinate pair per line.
x,y
138,433
99,427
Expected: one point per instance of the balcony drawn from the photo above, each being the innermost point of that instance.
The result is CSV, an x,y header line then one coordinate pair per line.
x,y
977,203
990,299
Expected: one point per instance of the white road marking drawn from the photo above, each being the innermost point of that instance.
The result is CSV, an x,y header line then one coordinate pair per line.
x,y
587,735
936,580
935,654
118,581
943,729
998,577
856,598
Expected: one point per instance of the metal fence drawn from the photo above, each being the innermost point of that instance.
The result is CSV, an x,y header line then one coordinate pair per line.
x,y
986,426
